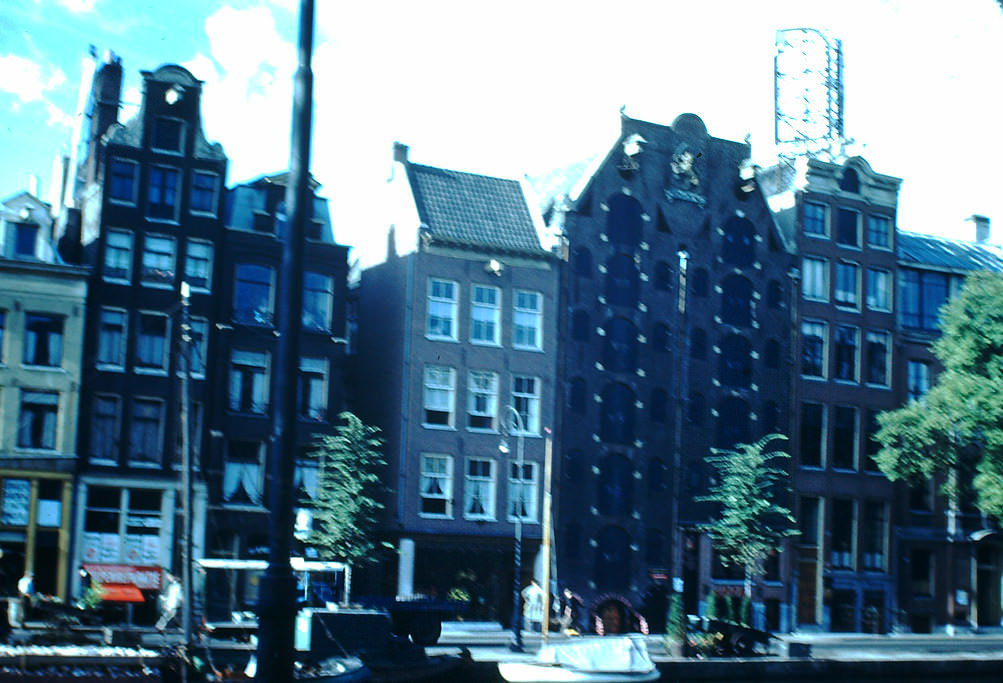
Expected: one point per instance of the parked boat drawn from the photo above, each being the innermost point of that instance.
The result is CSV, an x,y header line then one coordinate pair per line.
x,y
610,659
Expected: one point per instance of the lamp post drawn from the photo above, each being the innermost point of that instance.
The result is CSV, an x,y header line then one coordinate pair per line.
x,y
514,418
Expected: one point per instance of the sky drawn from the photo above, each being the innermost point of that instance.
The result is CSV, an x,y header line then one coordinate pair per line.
x,y
522,87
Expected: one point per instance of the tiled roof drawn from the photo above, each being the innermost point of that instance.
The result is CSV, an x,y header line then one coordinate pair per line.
x,y
941,252
471,209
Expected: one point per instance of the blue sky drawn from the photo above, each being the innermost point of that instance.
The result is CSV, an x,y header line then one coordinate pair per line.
x,y
522,87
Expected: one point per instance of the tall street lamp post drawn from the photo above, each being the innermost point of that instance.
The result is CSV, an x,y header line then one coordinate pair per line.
x,y
514,419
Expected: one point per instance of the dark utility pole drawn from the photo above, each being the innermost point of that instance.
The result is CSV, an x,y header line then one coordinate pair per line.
x,y
277,609
187,474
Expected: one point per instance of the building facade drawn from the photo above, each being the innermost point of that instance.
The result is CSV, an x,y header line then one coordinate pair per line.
x,y
42,302
457,348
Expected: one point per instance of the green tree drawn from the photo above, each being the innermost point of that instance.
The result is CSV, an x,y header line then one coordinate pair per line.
x,y
955,432
751,521
676,623
348,486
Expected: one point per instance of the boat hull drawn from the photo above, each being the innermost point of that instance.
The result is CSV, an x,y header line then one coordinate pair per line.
x,y
520,672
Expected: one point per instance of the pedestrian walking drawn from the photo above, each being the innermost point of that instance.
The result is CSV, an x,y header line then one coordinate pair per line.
x,y
532,606
25,594
170,600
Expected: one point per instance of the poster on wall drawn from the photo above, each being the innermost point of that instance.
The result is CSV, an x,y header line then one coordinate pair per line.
x,y
91,550
110,546
16,497
133,549
50,513
151,550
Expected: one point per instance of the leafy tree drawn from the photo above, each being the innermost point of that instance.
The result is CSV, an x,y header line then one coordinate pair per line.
x,y
348,484
711,611
751,522
955,432
675,628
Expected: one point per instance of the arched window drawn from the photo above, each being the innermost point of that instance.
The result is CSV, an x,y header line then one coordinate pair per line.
x,y
698,344
660,338
612,568
736,301
617,418
663,275
576,395
621,281
620,348
615,486
700,282
572,540
695,408
735,362
580,326
656,475
739,246
658,405
850,181
732,422
581,262
770,419
774,294
771,354
573,465
623,224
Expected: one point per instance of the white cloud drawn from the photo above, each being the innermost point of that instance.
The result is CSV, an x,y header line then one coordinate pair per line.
x,y
79,6
26,79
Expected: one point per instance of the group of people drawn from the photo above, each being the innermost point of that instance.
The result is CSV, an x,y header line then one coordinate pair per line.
x,y
568,609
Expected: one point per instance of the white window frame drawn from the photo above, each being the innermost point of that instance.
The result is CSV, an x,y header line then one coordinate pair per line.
x,y
158,284
482,387
809,276
257,475
825,221
856,356
889,232
527,318
215,192
135,182
825,346
478,483
250,317
116,433
188,261
27,393
446,308
917,380
887,338
854,300
859,228
132,245
531,415
123,344
528,491
246,361
329,299
160,433
445,479
433,388
874,275
315,365
486,313
137,335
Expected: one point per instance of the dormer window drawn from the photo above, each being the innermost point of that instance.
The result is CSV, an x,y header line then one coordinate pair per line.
x,y
168,134
850,182
25,238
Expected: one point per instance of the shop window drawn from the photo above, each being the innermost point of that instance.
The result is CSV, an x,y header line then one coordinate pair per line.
x,y
739,240
623,224
620,346
617,414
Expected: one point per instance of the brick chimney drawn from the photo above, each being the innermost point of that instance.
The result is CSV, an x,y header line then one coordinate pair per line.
x,y
982,228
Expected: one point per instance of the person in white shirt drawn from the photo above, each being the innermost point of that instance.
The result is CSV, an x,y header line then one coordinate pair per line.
x,y
532,606
170,600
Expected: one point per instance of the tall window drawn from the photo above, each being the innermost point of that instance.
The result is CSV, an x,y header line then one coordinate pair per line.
x,y
623,223
158,260
577,400
436,486
580,326
736,301
162,193
878,357
118,255
615,486
739,242
485,314
25,240
815,219
878,289
698,343
43,340
151,341
873,535
658,406
482,400
442,298
122,175
847,284
440,388
581,262
37,424
700,284
815,279
168,134
198,264
620,346
479,489
841,528
249,381
526,401
918,379
813,348
112,338
660,338
923,293
735,361
844,438
871,444
104,428
527,319
313,388
732,422
145,435
199,345
3,333
808,520
617,414
242,470
921,565
204,188
845,340
812,434
318,297
879,231
252,297
663,276
622,281
522,491
848,227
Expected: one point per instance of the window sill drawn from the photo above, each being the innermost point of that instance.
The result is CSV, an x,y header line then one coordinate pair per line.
x,y
482,430
816,235
36,451
843,245
453,340
101,462
441,428
108,367
426,515
205,214
531,349
528,435
845,382
525,520
142,464
815,378
848,307
157,285
884,387
244,507
814,299
244,413
474,518
44,368
813,468
845,470
172,152
118,281
123,202
198,290
164,221
154,372
489,344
